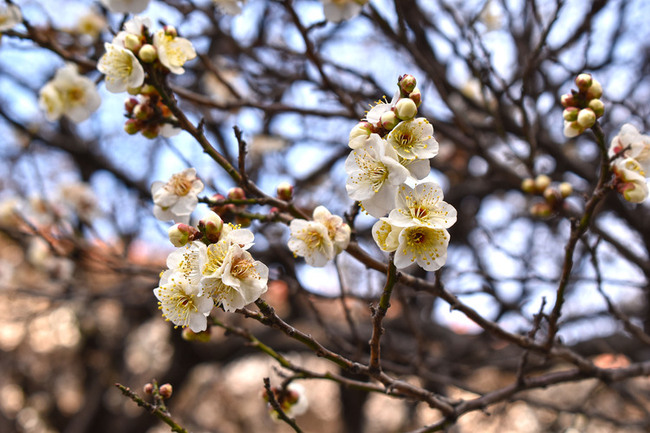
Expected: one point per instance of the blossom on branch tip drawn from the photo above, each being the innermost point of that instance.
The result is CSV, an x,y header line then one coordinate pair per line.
x,y
311,240
176,199
413,139
126,6
337,230
69,94
182,302
10,16
422,205
173,51
121,67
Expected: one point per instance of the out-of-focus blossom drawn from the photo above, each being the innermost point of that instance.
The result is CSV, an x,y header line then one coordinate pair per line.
x,y
341,10
81,199
126,6
176,199
10,16
173,51
311,240
91,25
69,94
632,144
630,179
230,7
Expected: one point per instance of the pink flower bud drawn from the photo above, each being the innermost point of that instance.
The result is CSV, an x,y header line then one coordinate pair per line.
x,y
142,111
568,100
388,120
148,53
180,234
583,81
416,96
130,104
528,186
541,210
165,390
586,118
405,109
597,106
211,226
236,193
285,191
148,388
407,83
570,114
552,196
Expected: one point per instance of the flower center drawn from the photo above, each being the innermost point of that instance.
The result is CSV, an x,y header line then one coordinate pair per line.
x,y
180,185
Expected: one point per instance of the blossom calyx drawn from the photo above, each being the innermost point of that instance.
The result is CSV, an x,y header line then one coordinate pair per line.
x,y
180,234
201,336
405,109
407,83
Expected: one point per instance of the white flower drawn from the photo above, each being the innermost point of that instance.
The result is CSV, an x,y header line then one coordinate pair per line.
x,y
418,168
337,230
386,235
311,240
188,261
633,144
414,139
173,51
121,67
341,10
374,175
572,129
630,179
247,278
176,199
230,7
360,135
422,244
91,24
136,26
182,302
374,115
10,15
422,205
126,6
77,95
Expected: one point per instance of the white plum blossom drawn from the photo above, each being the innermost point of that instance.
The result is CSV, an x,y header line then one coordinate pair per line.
x,y
188,261
91,24
374,174
341,10
413,139
311,240
122,69
422,205
10,16
360,135
630,179
135,26
173,51
182,302
386,235
374,115
632,144
338,231
69,94
230,7
176,199
126,6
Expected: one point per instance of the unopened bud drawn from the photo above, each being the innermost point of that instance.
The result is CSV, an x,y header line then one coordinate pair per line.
x,y
595,91
142,111
586,118
211,226
405,109
236,193
567,100
528,186
148,53
407,83
388,120
541,210
132,42
566,189
416,96
243,221
134,90
148,89
583,81
597,106
148,388
170,31
132,126
179,234
202,337
573,129
165,390
570,114
285,191
151,131
551,195
542,182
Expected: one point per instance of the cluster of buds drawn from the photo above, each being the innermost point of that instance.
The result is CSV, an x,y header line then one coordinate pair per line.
x,y
583,106
208,230
383,117
163,391
232,211
148,115
291,399
553,194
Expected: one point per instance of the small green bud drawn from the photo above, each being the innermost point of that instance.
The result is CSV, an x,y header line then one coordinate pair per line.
x,y
407,83
570,114
597,106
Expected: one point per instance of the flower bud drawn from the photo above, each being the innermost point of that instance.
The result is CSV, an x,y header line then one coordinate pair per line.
x,y
567,100
285,191
583,81
566,189
132,126
151,131
388,120
211,226
132,42
416,96
595,91
130,104
243,221
179,234
542,182
236,193
551,195
570,114
170,31
407,83
148,388
405,109
541,210
165,390
201,337
572,129
148,53
528,186
597,106
586,118
142,111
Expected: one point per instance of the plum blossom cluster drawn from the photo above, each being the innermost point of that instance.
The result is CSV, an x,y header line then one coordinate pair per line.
x,y
629,152
321,239
211,266
553,195
341,10
391,149
135,61
583,106
69,94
